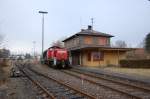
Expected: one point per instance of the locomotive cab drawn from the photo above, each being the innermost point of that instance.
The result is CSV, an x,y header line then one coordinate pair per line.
x,y
57,57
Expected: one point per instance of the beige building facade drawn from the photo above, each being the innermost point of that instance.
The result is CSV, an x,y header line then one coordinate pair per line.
x,y
92,48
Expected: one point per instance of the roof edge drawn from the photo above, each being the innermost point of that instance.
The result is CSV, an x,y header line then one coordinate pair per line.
x,y
84,34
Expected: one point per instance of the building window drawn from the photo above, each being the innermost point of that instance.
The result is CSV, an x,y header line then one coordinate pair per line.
x,y
77,40
74,42
102,41
95,40
108,41
98,56
88,40
89,56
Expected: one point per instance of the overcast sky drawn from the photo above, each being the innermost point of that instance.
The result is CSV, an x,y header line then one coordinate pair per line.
x,y
20,22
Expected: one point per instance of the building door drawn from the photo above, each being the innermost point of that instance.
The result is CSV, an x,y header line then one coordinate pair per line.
x,y
76,58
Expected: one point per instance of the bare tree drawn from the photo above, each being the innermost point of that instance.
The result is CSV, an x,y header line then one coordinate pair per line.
x,y
1,39
147,43
120,44
141,44
58,43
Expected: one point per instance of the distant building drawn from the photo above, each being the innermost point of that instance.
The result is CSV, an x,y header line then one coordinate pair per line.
x,y
4,53
138,53
92,48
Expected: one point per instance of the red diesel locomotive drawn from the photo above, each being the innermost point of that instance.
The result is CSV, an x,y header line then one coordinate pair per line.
x,y
56,57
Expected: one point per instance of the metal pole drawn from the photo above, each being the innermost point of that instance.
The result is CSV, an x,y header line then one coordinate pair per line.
x,y
42,35
42,12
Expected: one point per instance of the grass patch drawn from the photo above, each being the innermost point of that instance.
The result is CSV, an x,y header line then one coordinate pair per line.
x,y
130,71
5,68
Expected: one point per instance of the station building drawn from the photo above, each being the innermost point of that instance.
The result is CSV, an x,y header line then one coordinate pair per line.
x,y
92,48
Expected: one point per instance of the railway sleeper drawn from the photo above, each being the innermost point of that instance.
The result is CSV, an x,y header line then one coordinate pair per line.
x,y
78,97
63,91
75,97
70,96
56,88
60,95
67,96
58,91
71,93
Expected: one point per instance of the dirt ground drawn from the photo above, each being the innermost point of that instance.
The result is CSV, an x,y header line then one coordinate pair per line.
x,y
15,88
20,88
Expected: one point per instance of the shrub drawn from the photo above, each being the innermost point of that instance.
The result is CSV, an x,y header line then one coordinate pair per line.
x,y
145,63
4,62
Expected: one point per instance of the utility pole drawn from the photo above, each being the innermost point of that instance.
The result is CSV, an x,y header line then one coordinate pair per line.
x,y
42,12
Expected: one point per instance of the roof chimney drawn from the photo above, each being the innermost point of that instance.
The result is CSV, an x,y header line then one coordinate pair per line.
x,y
82,30
90,27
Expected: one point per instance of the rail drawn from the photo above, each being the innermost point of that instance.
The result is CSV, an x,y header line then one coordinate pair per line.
x,y
39,85
112,80
101,84
65,84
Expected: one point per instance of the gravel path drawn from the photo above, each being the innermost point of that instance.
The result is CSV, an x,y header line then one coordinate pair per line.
x,y
20,88
133,90
115,74
59,91
92,89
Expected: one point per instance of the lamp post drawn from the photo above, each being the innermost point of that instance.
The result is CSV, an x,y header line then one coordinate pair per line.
x,y
42,12
34,42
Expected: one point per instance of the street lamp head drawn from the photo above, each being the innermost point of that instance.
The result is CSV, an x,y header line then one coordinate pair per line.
x,y
43,12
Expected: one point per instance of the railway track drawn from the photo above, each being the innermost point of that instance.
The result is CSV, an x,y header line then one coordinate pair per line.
x,y
134,91
53,88
42,90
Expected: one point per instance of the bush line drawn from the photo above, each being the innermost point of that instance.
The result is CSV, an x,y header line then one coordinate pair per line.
x,y
145,63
